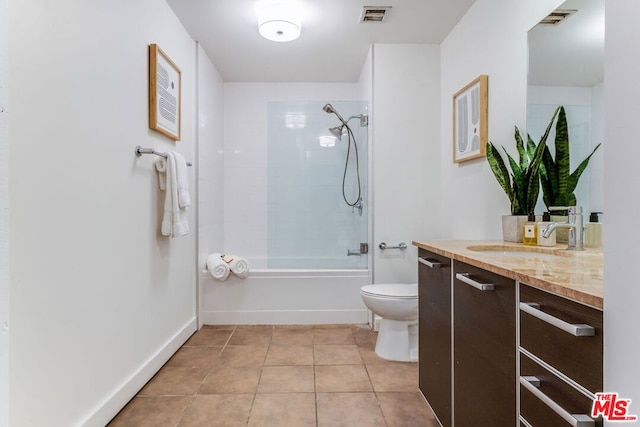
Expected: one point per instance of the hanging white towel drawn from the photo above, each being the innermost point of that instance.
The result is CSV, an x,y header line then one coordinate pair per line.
x,y
174,221
218,268
161,166
182,178
239,267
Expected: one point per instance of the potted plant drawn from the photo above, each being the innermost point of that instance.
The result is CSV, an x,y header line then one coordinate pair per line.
x,y
521,184
558,183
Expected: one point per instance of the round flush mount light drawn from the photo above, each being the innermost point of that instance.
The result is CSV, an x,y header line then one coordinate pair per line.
x,y
279,20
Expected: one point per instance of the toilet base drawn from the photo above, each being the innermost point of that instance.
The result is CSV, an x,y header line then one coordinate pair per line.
x,y
398,340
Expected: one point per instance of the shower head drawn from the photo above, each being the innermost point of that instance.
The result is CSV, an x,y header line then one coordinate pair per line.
x,y
328,108
337,131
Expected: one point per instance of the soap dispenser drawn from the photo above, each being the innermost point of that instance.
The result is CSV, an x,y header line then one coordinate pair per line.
x,y
545,241
530,231
593,231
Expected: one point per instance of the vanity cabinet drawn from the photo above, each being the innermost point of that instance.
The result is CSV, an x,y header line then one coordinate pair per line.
x,y
434,353
561,351
484,346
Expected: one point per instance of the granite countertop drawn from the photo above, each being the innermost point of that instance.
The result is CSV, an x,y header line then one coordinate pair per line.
x,y
570,274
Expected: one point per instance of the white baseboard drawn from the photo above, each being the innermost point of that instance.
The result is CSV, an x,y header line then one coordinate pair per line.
x,y
283,317
101,415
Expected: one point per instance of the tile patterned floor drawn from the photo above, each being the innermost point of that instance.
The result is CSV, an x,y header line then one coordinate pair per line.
x,y
280,376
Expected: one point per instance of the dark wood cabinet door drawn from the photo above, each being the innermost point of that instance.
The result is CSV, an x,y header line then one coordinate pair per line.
x,y
484,331
434,296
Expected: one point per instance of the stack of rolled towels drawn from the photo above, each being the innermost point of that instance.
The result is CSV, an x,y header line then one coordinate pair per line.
x,y
221,265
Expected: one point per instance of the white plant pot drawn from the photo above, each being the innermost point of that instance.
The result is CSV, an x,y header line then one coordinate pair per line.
x,y
512,226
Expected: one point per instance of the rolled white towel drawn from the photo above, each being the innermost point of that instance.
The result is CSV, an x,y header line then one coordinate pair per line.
x,y
217,267
239,267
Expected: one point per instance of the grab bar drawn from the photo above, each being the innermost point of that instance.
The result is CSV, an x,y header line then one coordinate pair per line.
x,y
383,246
140,151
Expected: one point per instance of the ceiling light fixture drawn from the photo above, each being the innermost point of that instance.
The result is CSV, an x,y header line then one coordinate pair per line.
x,y
279,20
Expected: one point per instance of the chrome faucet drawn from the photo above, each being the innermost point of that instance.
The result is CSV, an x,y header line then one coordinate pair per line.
x,y
574,224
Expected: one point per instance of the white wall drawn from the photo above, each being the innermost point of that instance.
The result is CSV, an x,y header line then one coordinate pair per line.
x,y
490,39
210,161
406,155
245,164
4,217
622,293
99,299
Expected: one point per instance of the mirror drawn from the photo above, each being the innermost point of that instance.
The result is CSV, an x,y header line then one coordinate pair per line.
x,y
566,67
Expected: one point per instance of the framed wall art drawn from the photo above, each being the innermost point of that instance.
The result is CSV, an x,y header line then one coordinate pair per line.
x,y
165,91
470,121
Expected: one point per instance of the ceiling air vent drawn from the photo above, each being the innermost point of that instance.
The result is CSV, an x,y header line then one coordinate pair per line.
x,y
557,16
374,13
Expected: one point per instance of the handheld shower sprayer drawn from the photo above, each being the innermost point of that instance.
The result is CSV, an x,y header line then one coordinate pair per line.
x,y
336,131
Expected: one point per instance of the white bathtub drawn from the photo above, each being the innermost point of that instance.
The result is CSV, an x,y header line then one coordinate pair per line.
x,y
280,297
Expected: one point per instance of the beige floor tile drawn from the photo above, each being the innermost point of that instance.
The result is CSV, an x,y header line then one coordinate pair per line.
x,y
286,379
396,376
336,355
194,356
326,335
286,355
218,410
369,356
250,336
243,355
175,381
209,337
292,336
225,380
348,410
347,378
406,410
283,410
152,411
256,327
228,327
365,336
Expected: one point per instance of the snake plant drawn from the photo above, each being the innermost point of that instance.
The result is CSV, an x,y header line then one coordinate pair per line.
x,y
522,184
558,184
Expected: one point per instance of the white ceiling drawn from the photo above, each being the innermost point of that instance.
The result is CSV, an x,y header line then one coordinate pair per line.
x,y
333,44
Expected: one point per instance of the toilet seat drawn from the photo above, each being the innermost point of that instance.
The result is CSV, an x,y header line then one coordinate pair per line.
x,y
395,291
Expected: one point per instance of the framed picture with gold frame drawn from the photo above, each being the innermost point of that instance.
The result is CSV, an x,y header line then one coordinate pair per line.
x,y
470,120
165,93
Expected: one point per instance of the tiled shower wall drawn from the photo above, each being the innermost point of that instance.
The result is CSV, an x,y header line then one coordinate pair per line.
x,y
245,148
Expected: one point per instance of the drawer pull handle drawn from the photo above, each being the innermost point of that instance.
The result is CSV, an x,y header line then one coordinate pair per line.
x,y
577,330
576,420
430,264
464,277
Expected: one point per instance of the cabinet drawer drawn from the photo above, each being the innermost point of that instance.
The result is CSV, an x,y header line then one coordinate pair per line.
x,y
578,357
553,389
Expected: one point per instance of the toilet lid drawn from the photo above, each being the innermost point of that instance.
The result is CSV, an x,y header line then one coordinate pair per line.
x,y
392,290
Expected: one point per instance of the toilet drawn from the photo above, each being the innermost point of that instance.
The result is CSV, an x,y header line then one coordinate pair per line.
x,y
397,305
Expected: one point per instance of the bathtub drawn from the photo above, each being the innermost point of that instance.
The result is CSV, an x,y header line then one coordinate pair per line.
x,y
284,296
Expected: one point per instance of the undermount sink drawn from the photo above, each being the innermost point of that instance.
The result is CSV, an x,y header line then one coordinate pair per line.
x,y
514,251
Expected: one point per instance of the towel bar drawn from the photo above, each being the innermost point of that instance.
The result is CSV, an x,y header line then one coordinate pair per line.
x,y
140,151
